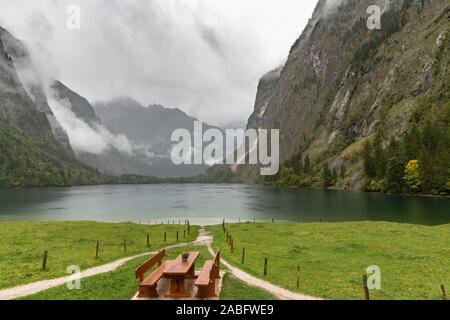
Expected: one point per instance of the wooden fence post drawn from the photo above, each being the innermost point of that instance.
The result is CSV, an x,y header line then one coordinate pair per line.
x,y
243,255
148,240
232,245
165,236
177,237
273,220
125,245
96,250
44,260
184,233
265,266
444,294
366,288
298,277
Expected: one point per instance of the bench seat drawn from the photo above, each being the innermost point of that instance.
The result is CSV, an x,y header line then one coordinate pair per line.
x,y
147,288
204,278
206,281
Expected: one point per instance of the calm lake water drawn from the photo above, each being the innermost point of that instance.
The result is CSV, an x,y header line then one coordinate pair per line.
x,y
207,204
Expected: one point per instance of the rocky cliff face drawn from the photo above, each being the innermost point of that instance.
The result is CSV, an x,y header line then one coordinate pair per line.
x,y
78,104
343,82
34,149
28,86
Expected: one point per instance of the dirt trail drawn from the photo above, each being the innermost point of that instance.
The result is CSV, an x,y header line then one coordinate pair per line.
x,y
35,287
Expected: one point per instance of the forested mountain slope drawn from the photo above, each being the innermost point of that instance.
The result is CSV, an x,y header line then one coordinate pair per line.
x,y
358,107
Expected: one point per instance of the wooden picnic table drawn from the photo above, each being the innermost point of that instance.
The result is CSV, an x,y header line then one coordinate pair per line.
x,y
178,272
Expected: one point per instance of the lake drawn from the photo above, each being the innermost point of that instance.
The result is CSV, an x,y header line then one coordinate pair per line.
x,y
209,204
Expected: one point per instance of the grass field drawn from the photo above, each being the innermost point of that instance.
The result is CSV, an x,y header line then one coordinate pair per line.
x,y
74,243
122,285
414,260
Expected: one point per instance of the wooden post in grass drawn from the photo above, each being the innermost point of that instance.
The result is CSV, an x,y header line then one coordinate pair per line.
x,y
44,260
96,250
366,288
177,237
188,228
243,255
239,220
444,294
148,240
165,236
232,245
223,226
184,233
273,220
265,266
125,245
298,277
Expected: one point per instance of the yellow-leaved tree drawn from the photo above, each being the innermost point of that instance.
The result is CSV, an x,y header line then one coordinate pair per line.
x,y
412,176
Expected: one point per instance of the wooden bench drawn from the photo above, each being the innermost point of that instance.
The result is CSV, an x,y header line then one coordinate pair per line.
x,y
206,281
147,287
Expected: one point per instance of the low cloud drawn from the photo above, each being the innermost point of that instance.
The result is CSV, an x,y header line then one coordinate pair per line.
x,y
203,56
83,137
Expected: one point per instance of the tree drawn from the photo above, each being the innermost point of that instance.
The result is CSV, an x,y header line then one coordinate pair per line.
x,y
412,176
395,171
343,172
327,177
379,157
334,176
307,165
369,162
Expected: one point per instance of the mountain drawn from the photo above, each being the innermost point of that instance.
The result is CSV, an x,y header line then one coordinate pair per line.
x,y
150,128
152,125
145,132
348,99
78,104
34,149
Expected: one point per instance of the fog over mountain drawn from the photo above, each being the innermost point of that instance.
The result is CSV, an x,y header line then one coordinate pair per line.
x,y
203,56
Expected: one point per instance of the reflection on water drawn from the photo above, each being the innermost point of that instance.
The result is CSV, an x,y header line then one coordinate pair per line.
x,y
211,203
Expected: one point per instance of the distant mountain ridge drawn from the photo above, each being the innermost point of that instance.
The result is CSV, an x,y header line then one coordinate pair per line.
x,y
147,130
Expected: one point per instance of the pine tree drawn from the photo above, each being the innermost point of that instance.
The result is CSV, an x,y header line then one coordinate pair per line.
x,y
307,165
327,178
369,162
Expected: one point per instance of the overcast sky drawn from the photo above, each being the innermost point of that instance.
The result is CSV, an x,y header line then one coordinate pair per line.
x,y
202,56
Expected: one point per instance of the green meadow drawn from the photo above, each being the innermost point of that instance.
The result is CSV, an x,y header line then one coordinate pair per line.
x,y
74,243
121,284
414,260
